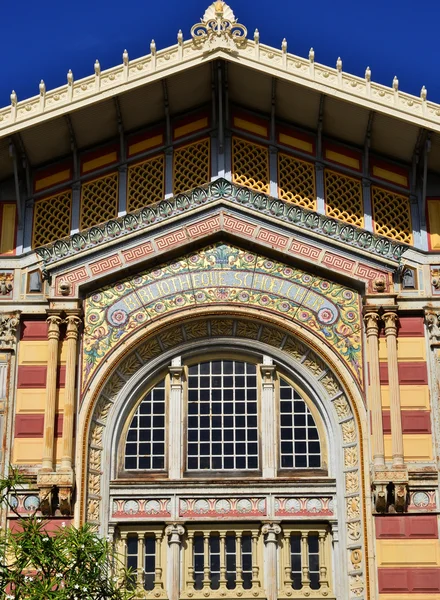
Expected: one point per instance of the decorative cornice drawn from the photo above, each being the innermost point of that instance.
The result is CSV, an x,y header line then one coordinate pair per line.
x,y
231,38
221,189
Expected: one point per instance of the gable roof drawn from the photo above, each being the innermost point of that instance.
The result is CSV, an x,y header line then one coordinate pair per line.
x,y
131,95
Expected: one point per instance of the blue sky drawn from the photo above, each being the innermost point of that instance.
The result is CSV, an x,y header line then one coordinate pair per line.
x,y
43,40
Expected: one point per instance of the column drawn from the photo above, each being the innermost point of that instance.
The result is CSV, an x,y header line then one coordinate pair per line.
x,y
223,580
238,561
256,583
141,561
175,427
390,319
305,579
287,570
190,562
206,565
174,533
268,418
371,319
323,578
73,324
54,321
271,532
158,583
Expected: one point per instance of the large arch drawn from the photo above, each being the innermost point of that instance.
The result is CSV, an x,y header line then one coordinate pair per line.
x,y
320,369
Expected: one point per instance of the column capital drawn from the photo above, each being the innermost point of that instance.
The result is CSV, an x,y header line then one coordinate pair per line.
x,y
267,373
391,319
371,320
271,531
74,322
174,532
54,321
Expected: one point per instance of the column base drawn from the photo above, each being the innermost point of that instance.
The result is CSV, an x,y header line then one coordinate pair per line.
x,y
56,492
390,490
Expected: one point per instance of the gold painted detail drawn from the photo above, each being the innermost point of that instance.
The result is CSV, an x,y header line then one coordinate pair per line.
x,y
99,200
392,215
51,219
145,183
343,197
250,165
296,179
191,166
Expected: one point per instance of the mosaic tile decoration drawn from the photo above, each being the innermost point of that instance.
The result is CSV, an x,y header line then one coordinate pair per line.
x,y
222,274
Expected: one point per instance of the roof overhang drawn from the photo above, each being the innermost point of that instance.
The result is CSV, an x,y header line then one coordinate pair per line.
x,y
90,110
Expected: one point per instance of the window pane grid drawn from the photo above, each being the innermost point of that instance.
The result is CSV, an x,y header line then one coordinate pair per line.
x,y
222,416
299,439
145,445
150,562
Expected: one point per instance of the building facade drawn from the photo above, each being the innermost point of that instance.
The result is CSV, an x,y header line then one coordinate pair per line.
x,y
220,320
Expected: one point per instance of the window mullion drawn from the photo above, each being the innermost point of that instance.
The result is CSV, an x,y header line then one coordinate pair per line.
x,y
175,419
305,581
238,561
141,561
268,437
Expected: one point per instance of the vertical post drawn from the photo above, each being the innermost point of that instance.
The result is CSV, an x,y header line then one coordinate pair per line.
x,y
256,584
174,533
390,319
305,579
371,319
206,565
323,579
238,561
223,581
268,418
158,583
175,430
141,561
54,321
271,532
287,562
73,324
190,575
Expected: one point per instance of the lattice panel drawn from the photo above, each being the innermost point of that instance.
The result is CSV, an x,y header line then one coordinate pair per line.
x,y
250,165
343,197
99,200
52,219
392,215
191,166
296,181
146,182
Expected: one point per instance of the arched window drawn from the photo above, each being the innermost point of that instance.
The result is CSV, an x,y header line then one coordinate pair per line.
x,y
145,446
222,424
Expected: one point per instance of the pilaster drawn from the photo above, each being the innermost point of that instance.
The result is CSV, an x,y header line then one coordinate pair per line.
x,y
269,466
175,421
391,319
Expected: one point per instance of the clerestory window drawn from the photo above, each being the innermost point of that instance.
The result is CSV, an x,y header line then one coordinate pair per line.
x,y
222,423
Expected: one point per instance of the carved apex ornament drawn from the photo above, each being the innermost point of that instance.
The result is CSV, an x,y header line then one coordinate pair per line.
x,y
219,28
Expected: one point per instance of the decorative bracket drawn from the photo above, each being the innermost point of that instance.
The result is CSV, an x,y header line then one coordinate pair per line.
x,y
56,491
390,491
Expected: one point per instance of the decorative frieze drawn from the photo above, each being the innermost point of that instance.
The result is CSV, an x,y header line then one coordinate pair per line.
x,y
304,507
225,508
279,210
157,508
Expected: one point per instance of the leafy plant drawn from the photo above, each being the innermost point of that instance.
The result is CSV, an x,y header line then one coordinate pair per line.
x,y
67,564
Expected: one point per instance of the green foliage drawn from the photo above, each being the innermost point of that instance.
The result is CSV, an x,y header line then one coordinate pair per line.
x,y
68,564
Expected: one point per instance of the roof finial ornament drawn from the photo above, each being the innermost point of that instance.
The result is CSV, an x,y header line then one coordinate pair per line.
x,y
368,74
395,84
219,28
423,93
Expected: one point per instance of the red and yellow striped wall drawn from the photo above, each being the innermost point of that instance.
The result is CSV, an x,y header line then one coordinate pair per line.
x,y
408,557
31,395
414,391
